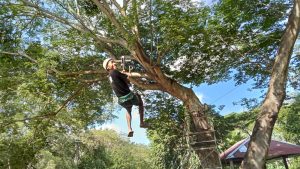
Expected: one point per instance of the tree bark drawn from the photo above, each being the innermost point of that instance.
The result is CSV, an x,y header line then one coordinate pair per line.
x,y
261,135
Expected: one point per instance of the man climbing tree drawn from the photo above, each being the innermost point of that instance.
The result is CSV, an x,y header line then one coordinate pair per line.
x,y
126,98
190,47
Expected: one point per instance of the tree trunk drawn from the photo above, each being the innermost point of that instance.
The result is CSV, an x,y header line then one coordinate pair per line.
x,y
204,143
261,136
202,134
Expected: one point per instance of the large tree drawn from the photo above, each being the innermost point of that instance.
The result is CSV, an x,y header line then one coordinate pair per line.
x,y
262,132
173,43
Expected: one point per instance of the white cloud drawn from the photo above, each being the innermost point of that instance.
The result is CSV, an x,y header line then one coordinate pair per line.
x,y
110,126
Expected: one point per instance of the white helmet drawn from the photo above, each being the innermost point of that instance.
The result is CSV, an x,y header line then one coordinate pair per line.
x,y
105,63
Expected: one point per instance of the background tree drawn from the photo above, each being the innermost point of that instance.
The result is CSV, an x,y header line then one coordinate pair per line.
x,y
93,149
287,121
261,136
238,126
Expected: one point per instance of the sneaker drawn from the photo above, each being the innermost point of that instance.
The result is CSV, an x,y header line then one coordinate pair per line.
x,y
130,134
144,125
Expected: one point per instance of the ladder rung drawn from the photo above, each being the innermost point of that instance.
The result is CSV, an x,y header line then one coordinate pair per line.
x,y
201,132
208,141
204,148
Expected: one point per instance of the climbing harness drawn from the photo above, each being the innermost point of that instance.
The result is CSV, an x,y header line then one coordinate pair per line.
x,y
125,98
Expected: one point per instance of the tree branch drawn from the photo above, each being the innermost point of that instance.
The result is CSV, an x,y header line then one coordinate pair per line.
x,y
82,27
52,15
20,54
138,75
62,73
100,72
106,47
89,28
115,41
65,103
146,86
84,72
77,8
134,28
161,54
103,6
91,80
125,4
122,11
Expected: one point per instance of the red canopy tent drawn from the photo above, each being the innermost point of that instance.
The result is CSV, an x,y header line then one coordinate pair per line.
x,y
278,149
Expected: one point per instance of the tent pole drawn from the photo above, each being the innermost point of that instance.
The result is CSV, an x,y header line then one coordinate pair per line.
x,y
285,163
231,164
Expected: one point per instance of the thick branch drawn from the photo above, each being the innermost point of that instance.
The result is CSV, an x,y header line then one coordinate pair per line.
x,y
104,7
89,28
146,86
108,40
137,74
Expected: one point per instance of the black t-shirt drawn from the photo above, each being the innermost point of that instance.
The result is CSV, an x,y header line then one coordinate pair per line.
x,y
119,83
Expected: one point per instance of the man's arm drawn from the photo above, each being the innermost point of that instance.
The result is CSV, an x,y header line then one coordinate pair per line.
x,y
127,76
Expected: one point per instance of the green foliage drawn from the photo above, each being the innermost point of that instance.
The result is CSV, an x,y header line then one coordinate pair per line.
x,y
122,154
166,134
288,120
209,42
93,149
252,30
35,102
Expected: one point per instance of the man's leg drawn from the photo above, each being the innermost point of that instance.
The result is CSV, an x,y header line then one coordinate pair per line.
x,y
128,118
141,112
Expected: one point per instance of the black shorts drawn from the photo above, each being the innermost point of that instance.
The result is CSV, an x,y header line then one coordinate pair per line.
x,y
129,103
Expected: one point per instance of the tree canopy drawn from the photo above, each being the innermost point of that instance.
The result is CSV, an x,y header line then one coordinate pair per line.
x,y
51,54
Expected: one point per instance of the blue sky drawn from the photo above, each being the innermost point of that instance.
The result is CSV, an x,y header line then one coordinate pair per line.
x,y
224,93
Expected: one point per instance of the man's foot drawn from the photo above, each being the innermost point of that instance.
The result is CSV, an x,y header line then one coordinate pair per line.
x,y
144,125
130,134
